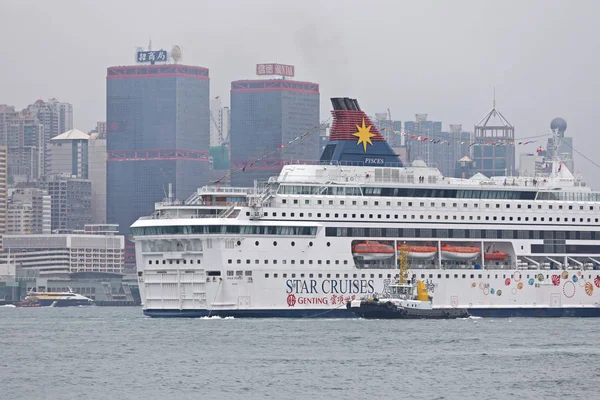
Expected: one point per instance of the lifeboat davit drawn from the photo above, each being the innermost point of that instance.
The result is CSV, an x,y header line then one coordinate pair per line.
x,y
495,255
421,252
459,253
372,250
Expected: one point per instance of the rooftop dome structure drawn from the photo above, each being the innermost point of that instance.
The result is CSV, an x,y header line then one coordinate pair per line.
x,y
558,124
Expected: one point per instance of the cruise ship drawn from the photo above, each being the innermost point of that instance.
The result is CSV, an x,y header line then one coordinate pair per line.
x,y
310,240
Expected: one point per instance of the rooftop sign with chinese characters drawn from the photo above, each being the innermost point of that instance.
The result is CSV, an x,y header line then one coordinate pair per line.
x,y
275,69
151,56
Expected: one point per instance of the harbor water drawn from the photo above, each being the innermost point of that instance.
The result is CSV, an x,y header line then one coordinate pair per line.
x,y
117,353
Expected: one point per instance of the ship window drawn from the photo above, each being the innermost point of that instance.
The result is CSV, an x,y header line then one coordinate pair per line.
x,y
399,203
591,208
422,276
454,204
171,261
432,204
376,203
284,261
430,276
561,207
319,202
247,213
476,205
185,261
284,201
319,262
318,215
353,215
293,261
437,217
283,214
447,276
274,261
306,201
284,275
539,206
266,261
295,201
443,204
292,214
445,217
464,276
345,215
149,261
328,262
327,215
345,262
337,262
365,203
266,275
330,202
310,275
404,216
529,206
320,275
213,273
550,207
336,215
274,275
293,275
328,275
248,273
337,275
164,262
388,203
229,273
274,214
497,205
362,275
465,205
410,203
487,206
362,215
395,216
354,203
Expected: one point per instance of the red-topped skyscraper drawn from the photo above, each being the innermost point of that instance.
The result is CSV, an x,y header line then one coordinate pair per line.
x,y
158,133
266,114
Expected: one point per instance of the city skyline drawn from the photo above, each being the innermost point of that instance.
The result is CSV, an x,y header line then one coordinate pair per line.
x,y
530,60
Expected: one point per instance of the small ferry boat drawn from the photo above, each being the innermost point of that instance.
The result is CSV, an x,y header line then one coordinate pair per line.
x,y
372,250
459,253
404,303
55,299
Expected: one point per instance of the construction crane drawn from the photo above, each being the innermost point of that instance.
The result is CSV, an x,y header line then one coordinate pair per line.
x,y
403,264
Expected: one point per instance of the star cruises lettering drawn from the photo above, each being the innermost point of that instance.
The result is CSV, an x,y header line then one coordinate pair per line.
x,y
327,286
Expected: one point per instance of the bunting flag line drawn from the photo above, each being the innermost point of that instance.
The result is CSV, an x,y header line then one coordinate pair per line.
x,y
267,155
462,142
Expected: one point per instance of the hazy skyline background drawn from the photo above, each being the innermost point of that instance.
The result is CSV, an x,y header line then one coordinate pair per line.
x,y
434,57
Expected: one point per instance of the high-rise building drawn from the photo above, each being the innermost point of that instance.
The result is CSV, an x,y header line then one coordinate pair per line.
x,y
56,117
419,149
69,153
97,175
219,123
531,164
3,190
25,141
29,211
266,114
71,202
158,133
493,147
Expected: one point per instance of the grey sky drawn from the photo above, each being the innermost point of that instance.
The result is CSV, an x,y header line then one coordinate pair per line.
x,y
438,57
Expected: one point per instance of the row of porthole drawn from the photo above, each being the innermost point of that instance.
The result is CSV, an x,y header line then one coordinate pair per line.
x,y
257,243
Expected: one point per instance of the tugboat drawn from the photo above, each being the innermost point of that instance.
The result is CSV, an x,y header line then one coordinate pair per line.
x,y
405,300
404,304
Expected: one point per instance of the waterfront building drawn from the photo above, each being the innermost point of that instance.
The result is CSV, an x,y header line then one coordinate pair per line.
x,y
65,253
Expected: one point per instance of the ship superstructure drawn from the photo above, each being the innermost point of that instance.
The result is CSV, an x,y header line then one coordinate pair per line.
x,y
318,236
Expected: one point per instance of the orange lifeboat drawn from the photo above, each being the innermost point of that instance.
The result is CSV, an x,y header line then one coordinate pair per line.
x,y
421,252
495,255
371,250
459,253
